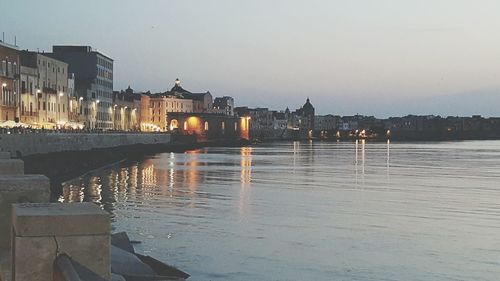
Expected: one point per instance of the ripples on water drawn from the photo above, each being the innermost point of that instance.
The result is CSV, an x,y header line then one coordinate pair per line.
x,y
312,210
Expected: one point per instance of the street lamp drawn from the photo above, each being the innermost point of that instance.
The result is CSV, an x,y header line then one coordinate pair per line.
x,y
96,111
61,94
3,92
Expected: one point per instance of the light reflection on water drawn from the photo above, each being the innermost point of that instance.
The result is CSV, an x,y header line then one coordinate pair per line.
x,y
312,210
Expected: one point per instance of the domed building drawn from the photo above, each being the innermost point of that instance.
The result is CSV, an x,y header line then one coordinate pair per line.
x,y
303,120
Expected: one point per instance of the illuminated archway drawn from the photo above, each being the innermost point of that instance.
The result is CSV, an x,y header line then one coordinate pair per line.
x,y
174,124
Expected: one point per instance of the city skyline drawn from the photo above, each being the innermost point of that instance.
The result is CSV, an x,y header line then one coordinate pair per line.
x,y
384,59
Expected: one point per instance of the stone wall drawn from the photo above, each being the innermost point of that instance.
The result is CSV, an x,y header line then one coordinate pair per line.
x,y
22,145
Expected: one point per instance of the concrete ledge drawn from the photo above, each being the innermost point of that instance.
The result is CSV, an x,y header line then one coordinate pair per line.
x,y
19,189
43,231
11,167
4,155
57,219
21,145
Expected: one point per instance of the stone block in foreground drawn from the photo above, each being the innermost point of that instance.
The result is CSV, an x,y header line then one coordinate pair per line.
x,y
19,189
42,231
4,155
11,167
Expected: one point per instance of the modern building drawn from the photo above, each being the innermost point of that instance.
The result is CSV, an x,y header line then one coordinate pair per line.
x,y
44,97
93,82
9,81
224,105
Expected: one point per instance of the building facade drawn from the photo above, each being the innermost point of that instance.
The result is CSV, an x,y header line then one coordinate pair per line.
x,y
224,105
93,82
9,82
45,96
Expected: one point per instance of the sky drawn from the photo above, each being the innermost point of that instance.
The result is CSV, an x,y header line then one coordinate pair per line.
x,y
372,57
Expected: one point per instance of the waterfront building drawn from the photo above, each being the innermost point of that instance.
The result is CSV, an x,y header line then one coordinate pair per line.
x,y
93,82
207,126
302,121
224,105
280,120
29,95
125,111
9,81
161,104
202,102
44,100
327,126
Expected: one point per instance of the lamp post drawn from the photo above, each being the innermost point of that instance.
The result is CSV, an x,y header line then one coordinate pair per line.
x,y
3,92
96,111
61,94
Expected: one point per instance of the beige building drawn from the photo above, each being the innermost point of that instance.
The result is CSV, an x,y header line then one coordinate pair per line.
x,y
163,104
47,98
126,111
9,82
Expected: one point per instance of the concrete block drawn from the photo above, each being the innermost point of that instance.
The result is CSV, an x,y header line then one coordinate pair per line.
x,y
34,256
19,189
11,167
5,266
42,231
56,219
4,155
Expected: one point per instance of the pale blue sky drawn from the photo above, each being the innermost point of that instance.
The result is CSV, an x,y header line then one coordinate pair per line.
x,y
381,57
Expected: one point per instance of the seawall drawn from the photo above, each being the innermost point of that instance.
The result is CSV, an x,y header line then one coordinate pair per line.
x,y
22,145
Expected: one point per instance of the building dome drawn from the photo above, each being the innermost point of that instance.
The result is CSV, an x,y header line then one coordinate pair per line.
x,y
308,108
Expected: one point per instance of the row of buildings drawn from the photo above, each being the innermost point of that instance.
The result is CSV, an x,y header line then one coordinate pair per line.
x,y
72,87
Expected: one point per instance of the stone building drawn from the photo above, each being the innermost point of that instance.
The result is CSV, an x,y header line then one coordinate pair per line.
x,y
44,98
93,82
302,121
126,111
224,105
202,102
9,81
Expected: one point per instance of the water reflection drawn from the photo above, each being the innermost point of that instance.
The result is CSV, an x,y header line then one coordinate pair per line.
x,y
246,166
246,179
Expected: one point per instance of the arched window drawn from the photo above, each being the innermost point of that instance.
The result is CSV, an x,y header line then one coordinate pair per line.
x,y
185,125
206,126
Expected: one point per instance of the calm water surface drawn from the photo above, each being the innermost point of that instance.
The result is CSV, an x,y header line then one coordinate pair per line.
x,y
312,210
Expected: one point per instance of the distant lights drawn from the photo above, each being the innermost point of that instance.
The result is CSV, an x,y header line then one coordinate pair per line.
x,y
4,84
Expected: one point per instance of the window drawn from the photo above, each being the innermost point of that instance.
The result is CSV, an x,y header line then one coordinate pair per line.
x,y
206,126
